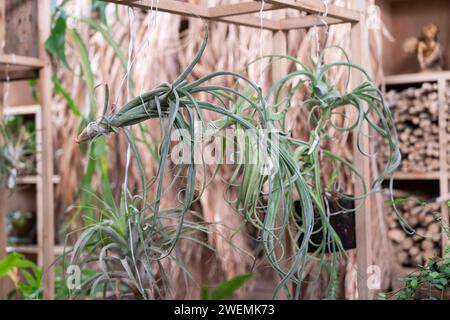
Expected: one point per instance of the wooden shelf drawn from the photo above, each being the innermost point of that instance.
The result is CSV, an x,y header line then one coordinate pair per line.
x,y
16,67
242,13
34,249
409,78
21,110
34,179
26,248
416,176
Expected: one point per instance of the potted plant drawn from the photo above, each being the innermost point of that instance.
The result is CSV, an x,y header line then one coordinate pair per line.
x,y
21,227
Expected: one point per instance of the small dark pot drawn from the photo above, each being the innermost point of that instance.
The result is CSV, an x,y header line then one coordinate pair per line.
x,y
21,227
343,224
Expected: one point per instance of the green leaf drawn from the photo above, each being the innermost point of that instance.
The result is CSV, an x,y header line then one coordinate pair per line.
x,y
434,275
13,260
56,42
58,88
413,283
32,83
226,289
204,294
100,7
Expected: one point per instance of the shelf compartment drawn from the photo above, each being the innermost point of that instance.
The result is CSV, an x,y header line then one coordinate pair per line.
x,y
16,67
410,78
34,179
416,176
22,110
26,248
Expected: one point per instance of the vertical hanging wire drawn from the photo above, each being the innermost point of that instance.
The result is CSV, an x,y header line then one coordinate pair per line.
x,y
321,18
131,17
261,43
151,25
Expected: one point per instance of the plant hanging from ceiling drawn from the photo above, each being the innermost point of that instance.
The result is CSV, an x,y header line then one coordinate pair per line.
x,y
274,170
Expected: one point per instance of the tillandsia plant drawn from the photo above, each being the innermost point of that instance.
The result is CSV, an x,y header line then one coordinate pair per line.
x,y
275,168
129,250
17,149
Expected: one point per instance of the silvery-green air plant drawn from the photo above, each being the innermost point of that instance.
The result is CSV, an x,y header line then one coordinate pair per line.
x,y
17,149
132,242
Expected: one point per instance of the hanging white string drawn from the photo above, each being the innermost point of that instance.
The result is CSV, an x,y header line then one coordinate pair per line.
x,y
261,43
7,87
78,6
137,52
320,18
128,156
151,26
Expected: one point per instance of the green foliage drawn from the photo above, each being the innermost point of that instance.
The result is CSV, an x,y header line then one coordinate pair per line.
x,y
100,7
17,149
56,43
58,89
227,288
26,276
434,275
11,261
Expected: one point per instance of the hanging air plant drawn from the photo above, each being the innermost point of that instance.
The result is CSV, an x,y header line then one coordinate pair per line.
x,y
273,171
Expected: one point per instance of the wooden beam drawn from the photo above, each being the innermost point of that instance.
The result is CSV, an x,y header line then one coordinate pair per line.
x,y
22,110
170,6
45,91
196,11
239,8
3,200
21,61
306,22
250,21
3,191
443,141
317,7
363,213
416,77
2,26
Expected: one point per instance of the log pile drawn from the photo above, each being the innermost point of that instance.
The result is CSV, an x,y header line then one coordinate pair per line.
x,y
415,112
414,250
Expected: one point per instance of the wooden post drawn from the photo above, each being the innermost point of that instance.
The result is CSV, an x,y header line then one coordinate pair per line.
x,y
443,175
45,90
3,191
3,199
362,163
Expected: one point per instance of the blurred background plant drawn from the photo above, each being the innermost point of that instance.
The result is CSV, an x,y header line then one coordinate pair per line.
x,y
17,149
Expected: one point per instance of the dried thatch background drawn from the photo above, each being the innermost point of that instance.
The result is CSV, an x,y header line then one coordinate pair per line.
x,y
162,48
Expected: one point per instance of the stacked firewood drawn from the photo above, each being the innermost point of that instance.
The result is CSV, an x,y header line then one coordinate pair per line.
x,y
413,250
415,112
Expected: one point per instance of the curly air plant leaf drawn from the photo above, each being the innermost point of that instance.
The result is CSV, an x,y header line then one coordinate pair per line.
x,y
274,171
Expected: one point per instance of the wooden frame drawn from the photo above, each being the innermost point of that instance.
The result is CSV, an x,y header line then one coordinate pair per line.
x,y
15,67
442,79
241,13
